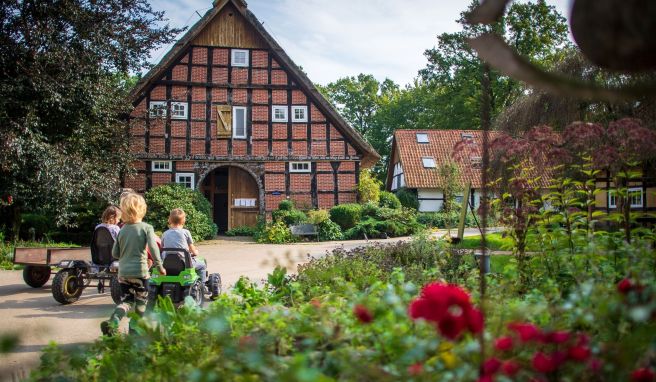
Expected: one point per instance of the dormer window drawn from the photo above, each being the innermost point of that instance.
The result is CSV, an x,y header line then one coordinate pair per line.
x,y
422,137
239,57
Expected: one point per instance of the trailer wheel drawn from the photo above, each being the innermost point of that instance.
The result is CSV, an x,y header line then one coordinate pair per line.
x,y
36,276
115,290
67,286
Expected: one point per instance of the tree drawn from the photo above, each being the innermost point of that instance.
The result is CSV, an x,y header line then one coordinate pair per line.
x,y
64,80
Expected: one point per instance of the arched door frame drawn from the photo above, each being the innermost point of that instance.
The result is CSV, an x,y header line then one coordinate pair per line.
x,y
207,168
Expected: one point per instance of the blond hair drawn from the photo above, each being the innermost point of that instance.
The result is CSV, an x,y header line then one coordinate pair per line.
x,y
110,213
177,216
134,207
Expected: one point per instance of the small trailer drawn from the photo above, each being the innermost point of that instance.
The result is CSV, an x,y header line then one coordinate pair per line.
x,y
74,268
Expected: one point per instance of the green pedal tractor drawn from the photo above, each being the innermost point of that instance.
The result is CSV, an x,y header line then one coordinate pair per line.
x,y
181,280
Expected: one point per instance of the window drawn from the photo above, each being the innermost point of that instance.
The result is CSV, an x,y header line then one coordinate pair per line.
x,y
185,178
467,136
157,109
397,177
279,114
299,113
239,57
179,110
239,122
161,165
634,194
422,137
428,162
476,162
299,166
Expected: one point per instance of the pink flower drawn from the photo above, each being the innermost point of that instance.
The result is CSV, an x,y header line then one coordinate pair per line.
x,y
579,353
510,368
491,366
642,375
526,332
543,363
503,343
363,314
416,368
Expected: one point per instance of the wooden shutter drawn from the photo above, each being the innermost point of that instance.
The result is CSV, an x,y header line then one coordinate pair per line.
x,y
224,121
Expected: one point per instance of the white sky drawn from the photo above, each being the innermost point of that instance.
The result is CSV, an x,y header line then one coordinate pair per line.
x,y
331,39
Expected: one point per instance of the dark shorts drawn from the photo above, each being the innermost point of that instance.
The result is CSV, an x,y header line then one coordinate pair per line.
x,y
133,291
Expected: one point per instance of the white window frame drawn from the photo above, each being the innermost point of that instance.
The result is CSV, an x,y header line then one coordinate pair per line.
x,y
427,164
157,109
154,166
305,116
233,56
274,108
234,121
184,110
300,166
422,140
179,175
636,191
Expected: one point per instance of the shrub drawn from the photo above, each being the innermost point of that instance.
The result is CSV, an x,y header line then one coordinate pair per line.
x,y
276,233
369,209
439,219
286,205
162,199
408,198
328,230
289,217
386,222
346,215
41,224
317,217
389,200
241,231
368,187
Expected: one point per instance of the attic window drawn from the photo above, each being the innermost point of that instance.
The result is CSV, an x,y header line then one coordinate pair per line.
x,y
428,162
239,57
466,136
422,138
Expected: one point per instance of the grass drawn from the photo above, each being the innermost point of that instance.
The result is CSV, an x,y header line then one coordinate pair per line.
x,y
495,242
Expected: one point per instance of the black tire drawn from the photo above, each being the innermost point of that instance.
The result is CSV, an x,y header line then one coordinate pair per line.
x,y
67,287
36,276
214,285
196,292
115,290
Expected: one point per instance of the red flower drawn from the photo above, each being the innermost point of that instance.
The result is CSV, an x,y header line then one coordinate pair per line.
x,y
449,308
557,337
558,358
491,366
642,375
510,368
485,378
578,353
543,363
525,331
503,343
625,286
10,200
595,365
416,368
363,314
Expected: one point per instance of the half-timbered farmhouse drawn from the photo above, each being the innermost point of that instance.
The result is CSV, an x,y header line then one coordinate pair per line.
x,y
227,112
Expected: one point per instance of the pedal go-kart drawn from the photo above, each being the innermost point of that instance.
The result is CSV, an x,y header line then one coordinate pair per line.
x,y
181,280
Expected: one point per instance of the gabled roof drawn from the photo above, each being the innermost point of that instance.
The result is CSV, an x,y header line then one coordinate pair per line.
x,y
463,147
370,156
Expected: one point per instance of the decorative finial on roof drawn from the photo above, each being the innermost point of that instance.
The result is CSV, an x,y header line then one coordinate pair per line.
x,y
240,3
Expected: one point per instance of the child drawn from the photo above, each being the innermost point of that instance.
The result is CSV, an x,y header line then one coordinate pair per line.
x,y
110,219
178,237
130,250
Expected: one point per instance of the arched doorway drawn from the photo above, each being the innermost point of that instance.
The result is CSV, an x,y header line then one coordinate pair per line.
x,y
234,196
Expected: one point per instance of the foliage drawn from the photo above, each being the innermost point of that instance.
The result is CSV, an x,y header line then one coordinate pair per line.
x,y
389,200
408,198
289,217
384,222
369,187
162,199
328,230
286,205
241,231
346,215
65,79
441,219
275,233
317,216
494,241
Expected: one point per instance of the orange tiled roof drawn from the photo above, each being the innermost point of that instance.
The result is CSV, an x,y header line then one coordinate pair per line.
x,y
440,146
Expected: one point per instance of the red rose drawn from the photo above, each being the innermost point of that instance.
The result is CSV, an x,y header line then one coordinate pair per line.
x,y
578,353
503,343
543,363
491,366
624,286
475,320
510,368
416,368
558,358
451,326
363,314
525,331
642,375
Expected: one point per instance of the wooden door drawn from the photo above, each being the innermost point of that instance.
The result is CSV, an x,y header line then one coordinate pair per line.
x,y
244,198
